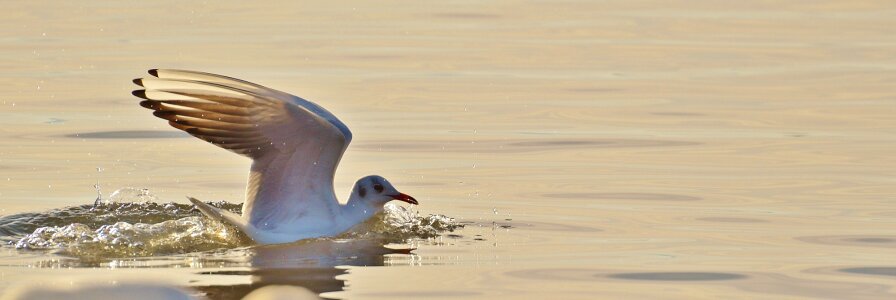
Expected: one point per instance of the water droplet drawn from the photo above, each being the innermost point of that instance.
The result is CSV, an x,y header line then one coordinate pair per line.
x,y
99,195
132,195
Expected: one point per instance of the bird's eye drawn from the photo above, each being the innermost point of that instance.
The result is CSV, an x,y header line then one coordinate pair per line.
x,y
362,192
378,187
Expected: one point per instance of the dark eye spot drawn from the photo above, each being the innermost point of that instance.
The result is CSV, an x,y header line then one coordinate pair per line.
x,y
378,187
362,192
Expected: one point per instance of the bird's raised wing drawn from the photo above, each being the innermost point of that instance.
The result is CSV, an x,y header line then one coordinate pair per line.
x,y
295,144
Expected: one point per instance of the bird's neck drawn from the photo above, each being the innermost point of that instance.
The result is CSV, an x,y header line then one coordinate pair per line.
x,y
358,210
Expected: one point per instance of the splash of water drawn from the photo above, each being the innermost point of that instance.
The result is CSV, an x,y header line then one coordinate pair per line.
x,y
398,224
146,228
124,239
113,229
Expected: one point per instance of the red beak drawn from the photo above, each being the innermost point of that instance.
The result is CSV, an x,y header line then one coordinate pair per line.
x,y
404,197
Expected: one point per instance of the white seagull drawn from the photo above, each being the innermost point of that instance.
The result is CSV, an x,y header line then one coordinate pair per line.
x,y
295,146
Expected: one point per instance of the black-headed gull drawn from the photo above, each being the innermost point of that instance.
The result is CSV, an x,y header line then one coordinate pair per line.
x,y
295,146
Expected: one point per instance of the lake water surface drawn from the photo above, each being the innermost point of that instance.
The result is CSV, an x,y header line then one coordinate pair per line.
x,y
592,149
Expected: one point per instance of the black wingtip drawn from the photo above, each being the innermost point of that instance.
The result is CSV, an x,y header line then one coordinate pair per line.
x,y
138,81
164,114
151,104
154,72
194,200
140,94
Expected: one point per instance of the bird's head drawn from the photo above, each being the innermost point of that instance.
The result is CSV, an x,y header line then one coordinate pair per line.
x,y
376,190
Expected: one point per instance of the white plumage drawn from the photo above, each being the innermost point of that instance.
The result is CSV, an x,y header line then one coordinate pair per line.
x,y
295,146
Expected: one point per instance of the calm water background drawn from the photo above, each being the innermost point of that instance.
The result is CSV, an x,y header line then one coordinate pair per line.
x,y
600,149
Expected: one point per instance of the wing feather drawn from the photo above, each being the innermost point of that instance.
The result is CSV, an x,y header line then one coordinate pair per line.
x,y
199,114
170,105
180,79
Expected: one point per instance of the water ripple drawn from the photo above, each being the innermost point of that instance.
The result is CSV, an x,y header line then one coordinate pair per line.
x,y
624,196
883,271
881,241
678,276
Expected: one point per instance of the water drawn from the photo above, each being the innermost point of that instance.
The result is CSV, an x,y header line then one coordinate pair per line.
x,y
130,231
592,149
130,225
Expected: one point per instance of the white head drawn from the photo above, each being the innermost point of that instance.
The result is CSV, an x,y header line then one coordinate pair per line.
x,y
375,191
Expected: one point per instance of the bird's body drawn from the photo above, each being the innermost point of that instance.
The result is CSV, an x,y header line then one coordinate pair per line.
x,y
295,147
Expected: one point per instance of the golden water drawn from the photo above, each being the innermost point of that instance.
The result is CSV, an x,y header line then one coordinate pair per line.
x,y
600,149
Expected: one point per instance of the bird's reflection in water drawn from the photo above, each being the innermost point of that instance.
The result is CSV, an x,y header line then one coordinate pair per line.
x,y
308,264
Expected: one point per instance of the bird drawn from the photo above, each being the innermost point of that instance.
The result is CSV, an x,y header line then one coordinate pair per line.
x,y
295,146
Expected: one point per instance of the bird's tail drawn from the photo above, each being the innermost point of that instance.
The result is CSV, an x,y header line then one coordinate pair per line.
x,y
220,214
